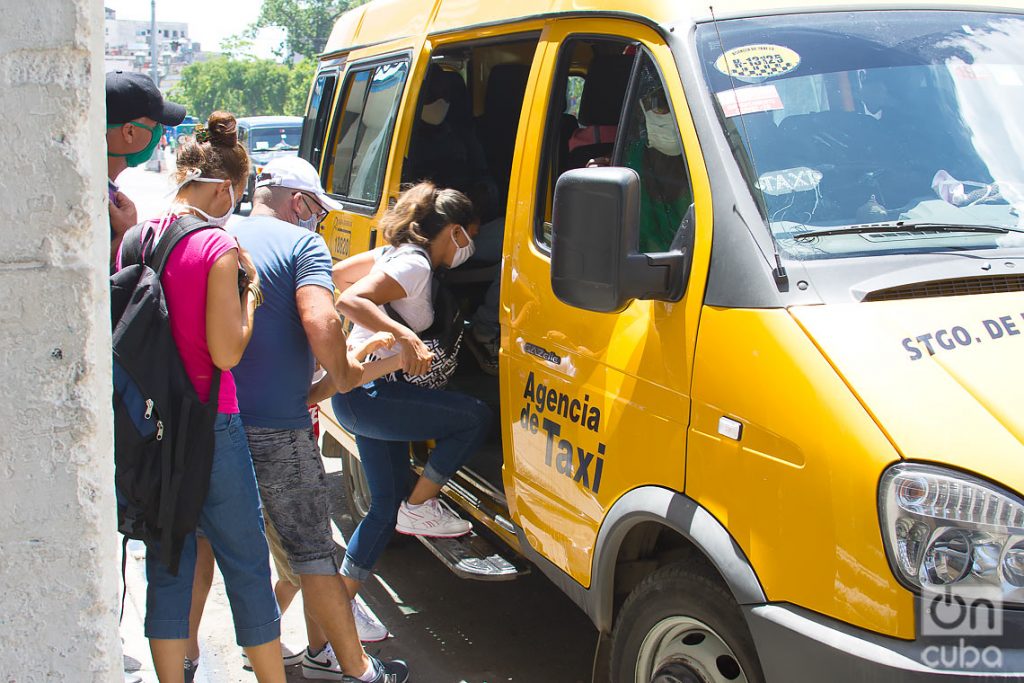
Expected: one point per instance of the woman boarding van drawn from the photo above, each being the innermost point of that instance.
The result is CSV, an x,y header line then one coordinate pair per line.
x,y
761,303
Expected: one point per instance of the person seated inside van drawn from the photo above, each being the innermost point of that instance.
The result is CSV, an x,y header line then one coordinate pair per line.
x,y
444,147
654,150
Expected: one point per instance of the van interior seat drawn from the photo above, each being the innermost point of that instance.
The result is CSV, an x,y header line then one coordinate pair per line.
x,y
460,111
601,103
497,127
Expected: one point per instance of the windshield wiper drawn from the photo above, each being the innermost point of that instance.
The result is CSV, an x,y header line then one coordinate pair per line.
x,y
906,226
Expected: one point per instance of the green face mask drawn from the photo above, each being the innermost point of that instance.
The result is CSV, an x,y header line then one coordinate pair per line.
x,y
143,155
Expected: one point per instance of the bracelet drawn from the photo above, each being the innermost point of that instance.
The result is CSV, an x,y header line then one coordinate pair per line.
x,y
256,292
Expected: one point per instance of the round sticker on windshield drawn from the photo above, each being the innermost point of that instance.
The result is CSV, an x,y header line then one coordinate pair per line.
x,y
753,63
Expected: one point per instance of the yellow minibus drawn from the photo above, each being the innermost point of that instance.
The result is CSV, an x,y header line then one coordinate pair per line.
x,y
760,310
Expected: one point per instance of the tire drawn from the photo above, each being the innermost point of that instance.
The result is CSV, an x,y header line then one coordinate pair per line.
x,y
681,627
357,490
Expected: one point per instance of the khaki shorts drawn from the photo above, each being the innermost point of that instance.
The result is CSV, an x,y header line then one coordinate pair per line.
x,y
284,570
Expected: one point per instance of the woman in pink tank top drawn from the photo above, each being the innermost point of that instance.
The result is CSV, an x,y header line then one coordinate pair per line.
x,y
210,304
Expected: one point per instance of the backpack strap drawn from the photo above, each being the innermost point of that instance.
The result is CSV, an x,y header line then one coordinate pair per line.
x,y
388,308
124,582
179,229
132,247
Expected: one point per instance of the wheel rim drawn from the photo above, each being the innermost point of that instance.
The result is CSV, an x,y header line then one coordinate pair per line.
x,y
359,489
685,650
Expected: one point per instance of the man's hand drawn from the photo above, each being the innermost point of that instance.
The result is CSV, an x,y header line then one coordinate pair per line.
x,y
380,340
123,215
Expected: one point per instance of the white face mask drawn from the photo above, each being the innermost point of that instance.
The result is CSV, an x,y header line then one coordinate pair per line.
x,y
219,221
661,133
435,112
462,254
307,223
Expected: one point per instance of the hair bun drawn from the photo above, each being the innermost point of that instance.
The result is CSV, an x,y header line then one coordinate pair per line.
x,y
223,129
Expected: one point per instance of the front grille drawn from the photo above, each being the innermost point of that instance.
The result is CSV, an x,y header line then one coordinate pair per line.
x,y
991,284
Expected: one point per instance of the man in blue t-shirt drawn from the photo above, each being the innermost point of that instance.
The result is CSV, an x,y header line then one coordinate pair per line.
x,y
296,325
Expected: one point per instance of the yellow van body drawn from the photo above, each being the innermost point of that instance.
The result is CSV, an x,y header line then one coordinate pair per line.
x,y
750,442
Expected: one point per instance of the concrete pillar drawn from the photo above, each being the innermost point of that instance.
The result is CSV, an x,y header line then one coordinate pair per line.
x,y
59,561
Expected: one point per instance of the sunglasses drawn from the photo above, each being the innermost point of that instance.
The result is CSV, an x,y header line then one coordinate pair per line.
x,y
320,212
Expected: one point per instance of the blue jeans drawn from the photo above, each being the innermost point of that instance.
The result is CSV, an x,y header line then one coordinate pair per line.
x,y
231,519
385,417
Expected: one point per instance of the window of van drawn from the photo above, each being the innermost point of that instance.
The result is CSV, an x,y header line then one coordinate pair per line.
x,y
582,122
623,118
274,138
315,123
649,142
573,90
363,137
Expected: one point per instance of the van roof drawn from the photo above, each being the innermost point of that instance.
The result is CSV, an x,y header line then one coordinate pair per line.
x,y
257,121
384,20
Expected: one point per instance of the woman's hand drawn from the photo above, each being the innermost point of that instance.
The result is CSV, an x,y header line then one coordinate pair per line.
x,y
416,357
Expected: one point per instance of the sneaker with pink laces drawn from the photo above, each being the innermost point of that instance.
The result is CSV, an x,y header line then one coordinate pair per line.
x,y
432,519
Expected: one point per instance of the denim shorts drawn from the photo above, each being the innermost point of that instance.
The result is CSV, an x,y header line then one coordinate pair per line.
x,y
293,486
232,522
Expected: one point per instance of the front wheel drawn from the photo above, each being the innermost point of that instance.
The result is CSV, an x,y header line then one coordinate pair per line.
x,y
681,627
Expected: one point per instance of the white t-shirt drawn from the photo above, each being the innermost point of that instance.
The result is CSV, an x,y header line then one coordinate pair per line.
x,y
407,266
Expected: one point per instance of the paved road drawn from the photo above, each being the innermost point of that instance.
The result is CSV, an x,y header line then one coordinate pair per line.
x,y
450,630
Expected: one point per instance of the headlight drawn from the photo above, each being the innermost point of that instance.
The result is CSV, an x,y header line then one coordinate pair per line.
x,y
945,528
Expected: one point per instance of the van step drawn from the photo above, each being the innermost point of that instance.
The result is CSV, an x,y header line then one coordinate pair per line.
x,y
473,557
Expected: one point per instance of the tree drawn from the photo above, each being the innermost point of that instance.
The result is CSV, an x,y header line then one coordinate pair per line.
x,y
244,87
308,22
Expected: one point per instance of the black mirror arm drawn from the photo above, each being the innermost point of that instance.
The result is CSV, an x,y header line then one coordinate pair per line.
x,y
655,276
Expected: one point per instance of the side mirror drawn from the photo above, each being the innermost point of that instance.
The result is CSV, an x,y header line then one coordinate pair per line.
x,y
595,259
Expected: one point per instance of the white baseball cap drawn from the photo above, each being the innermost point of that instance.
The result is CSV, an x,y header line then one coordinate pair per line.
x,y
296,174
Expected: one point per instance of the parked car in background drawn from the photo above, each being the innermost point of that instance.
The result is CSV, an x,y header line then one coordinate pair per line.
x,y
265,138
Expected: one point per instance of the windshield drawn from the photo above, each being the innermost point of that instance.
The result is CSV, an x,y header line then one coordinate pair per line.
x,y
853,118
276,138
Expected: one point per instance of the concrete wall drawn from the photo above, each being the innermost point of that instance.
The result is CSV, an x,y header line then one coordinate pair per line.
x,y
59,561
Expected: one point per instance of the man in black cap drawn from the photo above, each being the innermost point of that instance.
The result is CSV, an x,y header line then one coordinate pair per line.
x,y
136,116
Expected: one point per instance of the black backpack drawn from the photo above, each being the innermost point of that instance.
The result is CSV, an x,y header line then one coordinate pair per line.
x,y
163,433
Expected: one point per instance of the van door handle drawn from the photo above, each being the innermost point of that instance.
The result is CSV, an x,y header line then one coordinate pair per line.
x,y
730,428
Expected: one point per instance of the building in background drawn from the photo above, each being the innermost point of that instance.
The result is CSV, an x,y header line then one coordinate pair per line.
x,y
127,47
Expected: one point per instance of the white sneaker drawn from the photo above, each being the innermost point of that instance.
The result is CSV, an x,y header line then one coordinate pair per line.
x,y
370,628
433,519
290,658
323,666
